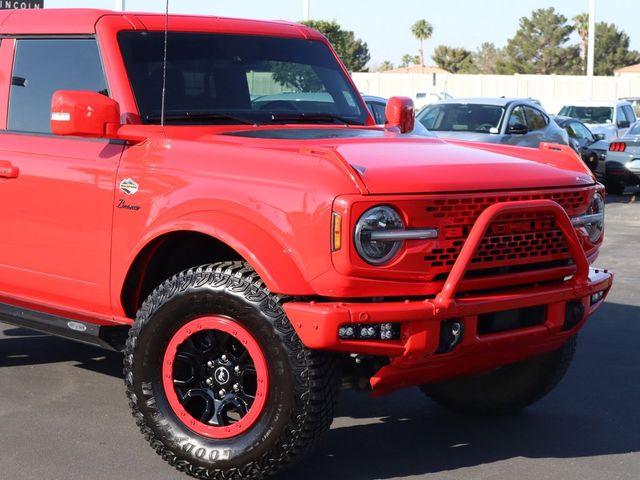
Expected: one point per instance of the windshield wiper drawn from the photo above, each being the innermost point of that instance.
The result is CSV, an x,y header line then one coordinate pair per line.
x,y
188,116
311,117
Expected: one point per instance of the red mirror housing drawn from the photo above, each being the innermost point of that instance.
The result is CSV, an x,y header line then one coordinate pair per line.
x,y
81,113
400,113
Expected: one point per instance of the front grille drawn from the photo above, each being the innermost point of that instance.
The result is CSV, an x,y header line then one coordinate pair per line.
x,y
511,240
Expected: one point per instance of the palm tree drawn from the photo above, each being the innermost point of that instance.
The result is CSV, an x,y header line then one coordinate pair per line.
x,y
581,24
422,30
385,66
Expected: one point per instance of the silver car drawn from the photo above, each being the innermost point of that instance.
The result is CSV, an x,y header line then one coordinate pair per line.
x,y
622,164
512,121
612,119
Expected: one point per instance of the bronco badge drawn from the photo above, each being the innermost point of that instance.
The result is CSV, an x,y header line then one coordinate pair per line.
x,y
128,186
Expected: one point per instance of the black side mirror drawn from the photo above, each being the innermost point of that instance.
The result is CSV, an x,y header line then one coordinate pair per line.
x,y
624,124
518,129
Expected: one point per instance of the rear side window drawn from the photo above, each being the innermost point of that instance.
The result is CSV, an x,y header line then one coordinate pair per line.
x,y
629,113
581,131
43,66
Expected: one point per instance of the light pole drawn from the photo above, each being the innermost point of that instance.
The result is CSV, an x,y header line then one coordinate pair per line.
x,y
305,10
120,5
591,42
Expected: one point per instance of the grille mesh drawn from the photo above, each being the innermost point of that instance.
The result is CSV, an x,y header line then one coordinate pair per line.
x,y
512,239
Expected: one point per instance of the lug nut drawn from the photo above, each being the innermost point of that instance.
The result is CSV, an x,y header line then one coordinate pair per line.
x,y
236,369
223,358
210,364
236,387
222,392
209,381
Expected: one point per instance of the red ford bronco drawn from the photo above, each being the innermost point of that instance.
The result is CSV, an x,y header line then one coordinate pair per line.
x,y
215,200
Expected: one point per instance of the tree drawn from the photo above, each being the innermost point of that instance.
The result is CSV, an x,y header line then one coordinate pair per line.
x,y
353,52
408,59
581,25
384,66
539,45
422,30
487,58
452,59
612,49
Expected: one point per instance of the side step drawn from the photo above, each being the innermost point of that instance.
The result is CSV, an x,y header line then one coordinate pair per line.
x,y
109,337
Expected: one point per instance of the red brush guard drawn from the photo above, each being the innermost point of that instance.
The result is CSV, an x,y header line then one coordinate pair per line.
x,y
528,237
413,357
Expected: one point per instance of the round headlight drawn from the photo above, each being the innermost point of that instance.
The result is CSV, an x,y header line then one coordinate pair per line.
x,y
377,219
595,226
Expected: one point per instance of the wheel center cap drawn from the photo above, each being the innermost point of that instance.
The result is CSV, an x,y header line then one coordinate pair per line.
x,y
222,375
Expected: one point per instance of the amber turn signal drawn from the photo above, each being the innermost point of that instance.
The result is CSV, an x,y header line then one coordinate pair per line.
x,y
336,232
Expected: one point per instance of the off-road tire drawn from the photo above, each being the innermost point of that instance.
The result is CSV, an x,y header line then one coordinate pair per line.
x,y
507,389
303,383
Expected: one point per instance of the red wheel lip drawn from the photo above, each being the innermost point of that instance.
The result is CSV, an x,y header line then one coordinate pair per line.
x,y
236,330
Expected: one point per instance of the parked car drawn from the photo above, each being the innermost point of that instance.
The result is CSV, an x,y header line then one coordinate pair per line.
x,y
623,161
251,253
426,98
612,119
511,121
592,148
376,106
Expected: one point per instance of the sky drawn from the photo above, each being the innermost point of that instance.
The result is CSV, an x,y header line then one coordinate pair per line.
x,y
386,24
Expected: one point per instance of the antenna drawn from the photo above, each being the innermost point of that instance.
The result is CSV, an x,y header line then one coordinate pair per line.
x,y
164,62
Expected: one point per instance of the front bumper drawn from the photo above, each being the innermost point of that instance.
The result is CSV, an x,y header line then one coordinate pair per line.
x,y
413,357
634,167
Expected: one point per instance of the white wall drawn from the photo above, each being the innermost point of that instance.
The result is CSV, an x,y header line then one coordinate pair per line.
x,y
553,91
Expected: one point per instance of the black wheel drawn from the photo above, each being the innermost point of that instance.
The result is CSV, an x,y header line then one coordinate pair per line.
x,y
506,389
217,379
614,187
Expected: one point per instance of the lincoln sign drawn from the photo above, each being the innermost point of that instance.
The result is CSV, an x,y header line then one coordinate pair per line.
x,y
13,4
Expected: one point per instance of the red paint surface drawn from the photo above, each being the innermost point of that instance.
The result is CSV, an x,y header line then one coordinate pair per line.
x,y
65,247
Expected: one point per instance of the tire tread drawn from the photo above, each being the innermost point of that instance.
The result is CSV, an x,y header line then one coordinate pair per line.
x,y
318,390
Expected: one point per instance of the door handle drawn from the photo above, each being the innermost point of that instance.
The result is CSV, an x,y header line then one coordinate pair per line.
x,y
7,170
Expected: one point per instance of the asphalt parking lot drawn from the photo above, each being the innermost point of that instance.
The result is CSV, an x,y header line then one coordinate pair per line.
x,y
64,416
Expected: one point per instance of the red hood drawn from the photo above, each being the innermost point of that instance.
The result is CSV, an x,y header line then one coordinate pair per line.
x,y
388,163
403,165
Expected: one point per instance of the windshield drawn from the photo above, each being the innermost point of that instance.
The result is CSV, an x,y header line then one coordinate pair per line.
x,y
235,79
460,117
588,114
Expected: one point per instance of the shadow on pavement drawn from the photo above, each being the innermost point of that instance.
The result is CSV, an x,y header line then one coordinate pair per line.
x,y
21,347
630,195
591,413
